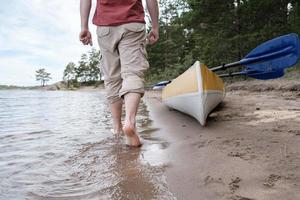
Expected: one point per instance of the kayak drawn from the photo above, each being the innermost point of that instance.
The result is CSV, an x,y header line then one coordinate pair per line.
x,y
196,92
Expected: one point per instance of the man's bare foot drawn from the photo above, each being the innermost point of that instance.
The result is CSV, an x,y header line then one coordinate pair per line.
x,y
117,129
118,133
132,136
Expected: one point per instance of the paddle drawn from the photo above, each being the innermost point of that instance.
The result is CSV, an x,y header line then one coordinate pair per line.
x,y
160,85
269,59
264,75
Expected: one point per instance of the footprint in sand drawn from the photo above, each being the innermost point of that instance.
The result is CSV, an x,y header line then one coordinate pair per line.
x,y
242,155
271,180
211,180
234,184
237,197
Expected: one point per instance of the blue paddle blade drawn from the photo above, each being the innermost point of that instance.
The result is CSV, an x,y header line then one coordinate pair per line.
x,y
274,55
161,85
264,75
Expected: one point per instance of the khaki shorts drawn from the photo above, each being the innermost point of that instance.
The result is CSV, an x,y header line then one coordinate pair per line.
x,y
124,59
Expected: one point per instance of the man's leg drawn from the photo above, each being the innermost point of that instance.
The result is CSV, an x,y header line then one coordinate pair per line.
x,y
108,37
132,101
133,66
116,112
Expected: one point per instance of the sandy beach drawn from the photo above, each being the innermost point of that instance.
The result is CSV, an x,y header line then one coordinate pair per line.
x,y
248,150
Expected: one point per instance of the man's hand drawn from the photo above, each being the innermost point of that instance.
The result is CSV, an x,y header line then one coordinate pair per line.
x,y
152,6
85,37
153,36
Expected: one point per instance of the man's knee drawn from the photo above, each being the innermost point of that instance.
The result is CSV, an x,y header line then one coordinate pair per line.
x,y
133,81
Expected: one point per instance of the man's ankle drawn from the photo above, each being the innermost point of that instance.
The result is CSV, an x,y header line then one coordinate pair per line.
x,y
130,122
118,129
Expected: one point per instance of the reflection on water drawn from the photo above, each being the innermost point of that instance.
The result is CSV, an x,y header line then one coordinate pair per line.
x,y
57,145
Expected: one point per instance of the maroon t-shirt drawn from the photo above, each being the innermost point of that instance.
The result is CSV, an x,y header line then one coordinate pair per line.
x,y
117,12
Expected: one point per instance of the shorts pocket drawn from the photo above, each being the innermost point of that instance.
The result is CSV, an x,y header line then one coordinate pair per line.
x,y
144,57
144,51
103,31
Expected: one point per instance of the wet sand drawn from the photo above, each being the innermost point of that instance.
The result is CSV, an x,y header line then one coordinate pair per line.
x,y
248,150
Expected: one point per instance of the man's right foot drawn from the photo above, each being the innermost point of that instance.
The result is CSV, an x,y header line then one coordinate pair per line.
x,y
132,136
117,130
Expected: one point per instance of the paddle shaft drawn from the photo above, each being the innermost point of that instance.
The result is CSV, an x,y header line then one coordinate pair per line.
x,y
231,74
253,60
226,66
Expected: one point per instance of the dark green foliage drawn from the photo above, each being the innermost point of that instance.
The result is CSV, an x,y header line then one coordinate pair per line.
x,y
216,31
86,73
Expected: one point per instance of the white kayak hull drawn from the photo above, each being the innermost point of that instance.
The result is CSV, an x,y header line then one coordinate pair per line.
x,y
196,92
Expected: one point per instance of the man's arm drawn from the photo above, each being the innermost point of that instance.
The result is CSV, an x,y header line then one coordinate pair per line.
x,y
152,6
85,9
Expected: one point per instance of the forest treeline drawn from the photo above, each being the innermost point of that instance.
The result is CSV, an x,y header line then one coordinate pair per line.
x,y
216,31
212,31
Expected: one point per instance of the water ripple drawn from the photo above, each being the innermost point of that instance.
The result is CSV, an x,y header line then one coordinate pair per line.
x,y
57,145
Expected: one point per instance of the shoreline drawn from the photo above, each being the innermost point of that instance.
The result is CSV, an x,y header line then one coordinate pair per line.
x,y
248,150
54,88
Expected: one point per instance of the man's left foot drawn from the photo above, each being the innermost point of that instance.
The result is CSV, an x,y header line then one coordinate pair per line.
x,y
132,136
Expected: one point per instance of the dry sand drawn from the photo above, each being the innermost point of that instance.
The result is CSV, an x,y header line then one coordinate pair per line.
x,y
250,148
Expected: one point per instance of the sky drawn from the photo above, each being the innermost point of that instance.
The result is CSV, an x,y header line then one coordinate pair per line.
x,y
39,34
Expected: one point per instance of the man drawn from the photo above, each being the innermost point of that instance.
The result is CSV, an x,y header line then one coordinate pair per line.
x,y
122,40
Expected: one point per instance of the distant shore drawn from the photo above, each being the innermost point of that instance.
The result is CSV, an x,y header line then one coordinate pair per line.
x,y
53,87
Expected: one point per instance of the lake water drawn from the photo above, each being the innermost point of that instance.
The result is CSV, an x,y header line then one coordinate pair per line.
x,y
58,145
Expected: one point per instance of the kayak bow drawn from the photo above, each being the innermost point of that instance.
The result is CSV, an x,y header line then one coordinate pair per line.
x,y
196,92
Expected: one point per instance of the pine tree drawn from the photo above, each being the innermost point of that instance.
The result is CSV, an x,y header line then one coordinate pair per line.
x,y
69,73
43,76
